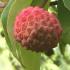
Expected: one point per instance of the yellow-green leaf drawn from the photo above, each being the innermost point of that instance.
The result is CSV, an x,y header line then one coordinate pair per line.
x,y
29,59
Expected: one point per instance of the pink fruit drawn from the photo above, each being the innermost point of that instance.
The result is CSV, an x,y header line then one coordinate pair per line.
x,y
37,29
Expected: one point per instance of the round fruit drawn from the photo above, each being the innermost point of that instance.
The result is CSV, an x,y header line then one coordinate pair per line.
x,y
37,29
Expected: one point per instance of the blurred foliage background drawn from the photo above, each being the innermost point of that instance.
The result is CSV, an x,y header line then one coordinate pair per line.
x,y
9,62
3,4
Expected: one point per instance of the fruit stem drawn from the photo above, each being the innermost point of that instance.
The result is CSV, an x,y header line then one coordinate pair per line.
x,y
40,3
49,52
43,3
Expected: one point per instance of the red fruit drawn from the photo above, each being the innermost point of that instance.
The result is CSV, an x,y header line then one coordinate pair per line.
x,y
37,29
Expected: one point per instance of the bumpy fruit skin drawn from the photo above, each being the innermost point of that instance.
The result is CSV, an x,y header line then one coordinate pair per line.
x,y
37,29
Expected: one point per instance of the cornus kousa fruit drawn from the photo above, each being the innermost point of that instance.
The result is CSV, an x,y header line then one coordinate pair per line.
x,y
37,29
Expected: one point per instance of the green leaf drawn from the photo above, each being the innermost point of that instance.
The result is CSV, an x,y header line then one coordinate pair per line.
x,y
4,17
67,4
29,59
64,17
